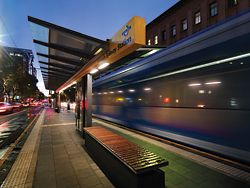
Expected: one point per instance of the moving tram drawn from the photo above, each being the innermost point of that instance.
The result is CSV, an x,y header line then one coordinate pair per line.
x,y
195,92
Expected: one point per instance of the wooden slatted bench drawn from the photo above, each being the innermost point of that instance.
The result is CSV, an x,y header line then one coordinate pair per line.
x,y
126,164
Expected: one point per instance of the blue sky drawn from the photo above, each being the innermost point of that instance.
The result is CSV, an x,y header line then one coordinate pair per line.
x,y
97,18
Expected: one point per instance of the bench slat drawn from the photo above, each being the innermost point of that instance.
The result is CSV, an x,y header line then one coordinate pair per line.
x,y
136,158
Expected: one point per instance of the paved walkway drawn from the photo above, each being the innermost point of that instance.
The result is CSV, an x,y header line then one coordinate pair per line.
x,y
56,157
53,156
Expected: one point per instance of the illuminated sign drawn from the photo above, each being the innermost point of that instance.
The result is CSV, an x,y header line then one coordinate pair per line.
x,y
126,31
130,37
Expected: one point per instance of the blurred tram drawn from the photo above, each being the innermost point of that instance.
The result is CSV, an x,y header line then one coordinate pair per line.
x,y
200,99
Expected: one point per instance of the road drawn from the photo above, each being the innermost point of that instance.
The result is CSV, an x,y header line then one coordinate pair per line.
x,y
11,126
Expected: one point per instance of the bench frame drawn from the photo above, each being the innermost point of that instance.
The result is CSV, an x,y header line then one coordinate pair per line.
x,y
118,173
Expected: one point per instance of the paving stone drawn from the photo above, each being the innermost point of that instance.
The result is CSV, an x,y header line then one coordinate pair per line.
x,y
66,181
45,168
98,186
99,173
45,180
89,181
28,185
105,182
84,173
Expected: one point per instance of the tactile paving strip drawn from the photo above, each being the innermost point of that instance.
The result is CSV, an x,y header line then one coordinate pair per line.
x,y
18,174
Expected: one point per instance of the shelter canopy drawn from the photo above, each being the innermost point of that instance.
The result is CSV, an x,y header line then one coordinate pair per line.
x,y
62,52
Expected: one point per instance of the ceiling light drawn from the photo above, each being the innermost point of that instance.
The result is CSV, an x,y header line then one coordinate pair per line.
x,y
98,51
102,66
93,71
194,84
212,83
131,90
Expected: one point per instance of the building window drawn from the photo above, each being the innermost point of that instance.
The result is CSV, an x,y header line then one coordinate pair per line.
x,y
232,3
164,35
184,25
156,40
197,17
173,30
149,42
213,9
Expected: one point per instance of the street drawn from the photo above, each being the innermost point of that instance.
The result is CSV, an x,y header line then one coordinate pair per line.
x,y
11,126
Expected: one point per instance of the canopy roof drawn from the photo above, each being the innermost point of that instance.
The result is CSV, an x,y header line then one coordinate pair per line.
x,y
62,52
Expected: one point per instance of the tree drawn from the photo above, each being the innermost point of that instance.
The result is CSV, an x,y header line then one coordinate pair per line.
x,y
16,81
40,95
7,71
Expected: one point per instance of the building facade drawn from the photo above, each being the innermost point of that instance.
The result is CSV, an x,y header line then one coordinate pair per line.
x,y
23,57
4,59
16,61
190,16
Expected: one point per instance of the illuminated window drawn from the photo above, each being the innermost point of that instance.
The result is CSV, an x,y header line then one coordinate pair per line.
x,y
197,17
184,25
156,39
173,29
232,3
164,35
213,9
149,42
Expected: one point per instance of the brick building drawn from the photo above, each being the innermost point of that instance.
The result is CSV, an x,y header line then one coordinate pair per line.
x,y
189,16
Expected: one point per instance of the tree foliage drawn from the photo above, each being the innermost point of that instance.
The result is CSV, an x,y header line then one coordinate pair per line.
x,y
16,81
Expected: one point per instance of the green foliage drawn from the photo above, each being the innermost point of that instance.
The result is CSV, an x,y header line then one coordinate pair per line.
x,y
68,94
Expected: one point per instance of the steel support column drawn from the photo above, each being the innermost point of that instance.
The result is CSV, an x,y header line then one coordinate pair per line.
x,y
57,103
84,103
87,92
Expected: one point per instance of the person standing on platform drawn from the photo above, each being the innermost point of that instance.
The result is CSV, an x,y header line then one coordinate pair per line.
x,y
68,105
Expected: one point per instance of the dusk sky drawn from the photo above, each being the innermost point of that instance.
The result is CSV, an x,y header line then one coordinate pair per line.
x,y
97,18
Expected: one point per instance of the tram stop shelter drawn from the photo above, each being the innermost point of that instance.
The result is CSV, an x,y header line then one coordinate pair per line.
x,y
69,58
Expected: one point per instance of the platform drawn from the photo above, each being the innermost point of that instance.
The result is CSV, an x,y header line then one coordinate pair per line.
x,y
54,156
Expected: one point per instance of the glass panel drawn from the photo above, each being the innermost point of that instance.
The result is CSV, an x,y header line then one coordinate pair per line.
x,y
164,35
156,39
149,42
173,30
39,32
213,9
197,18
44,59
41,49
43,65
184,25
